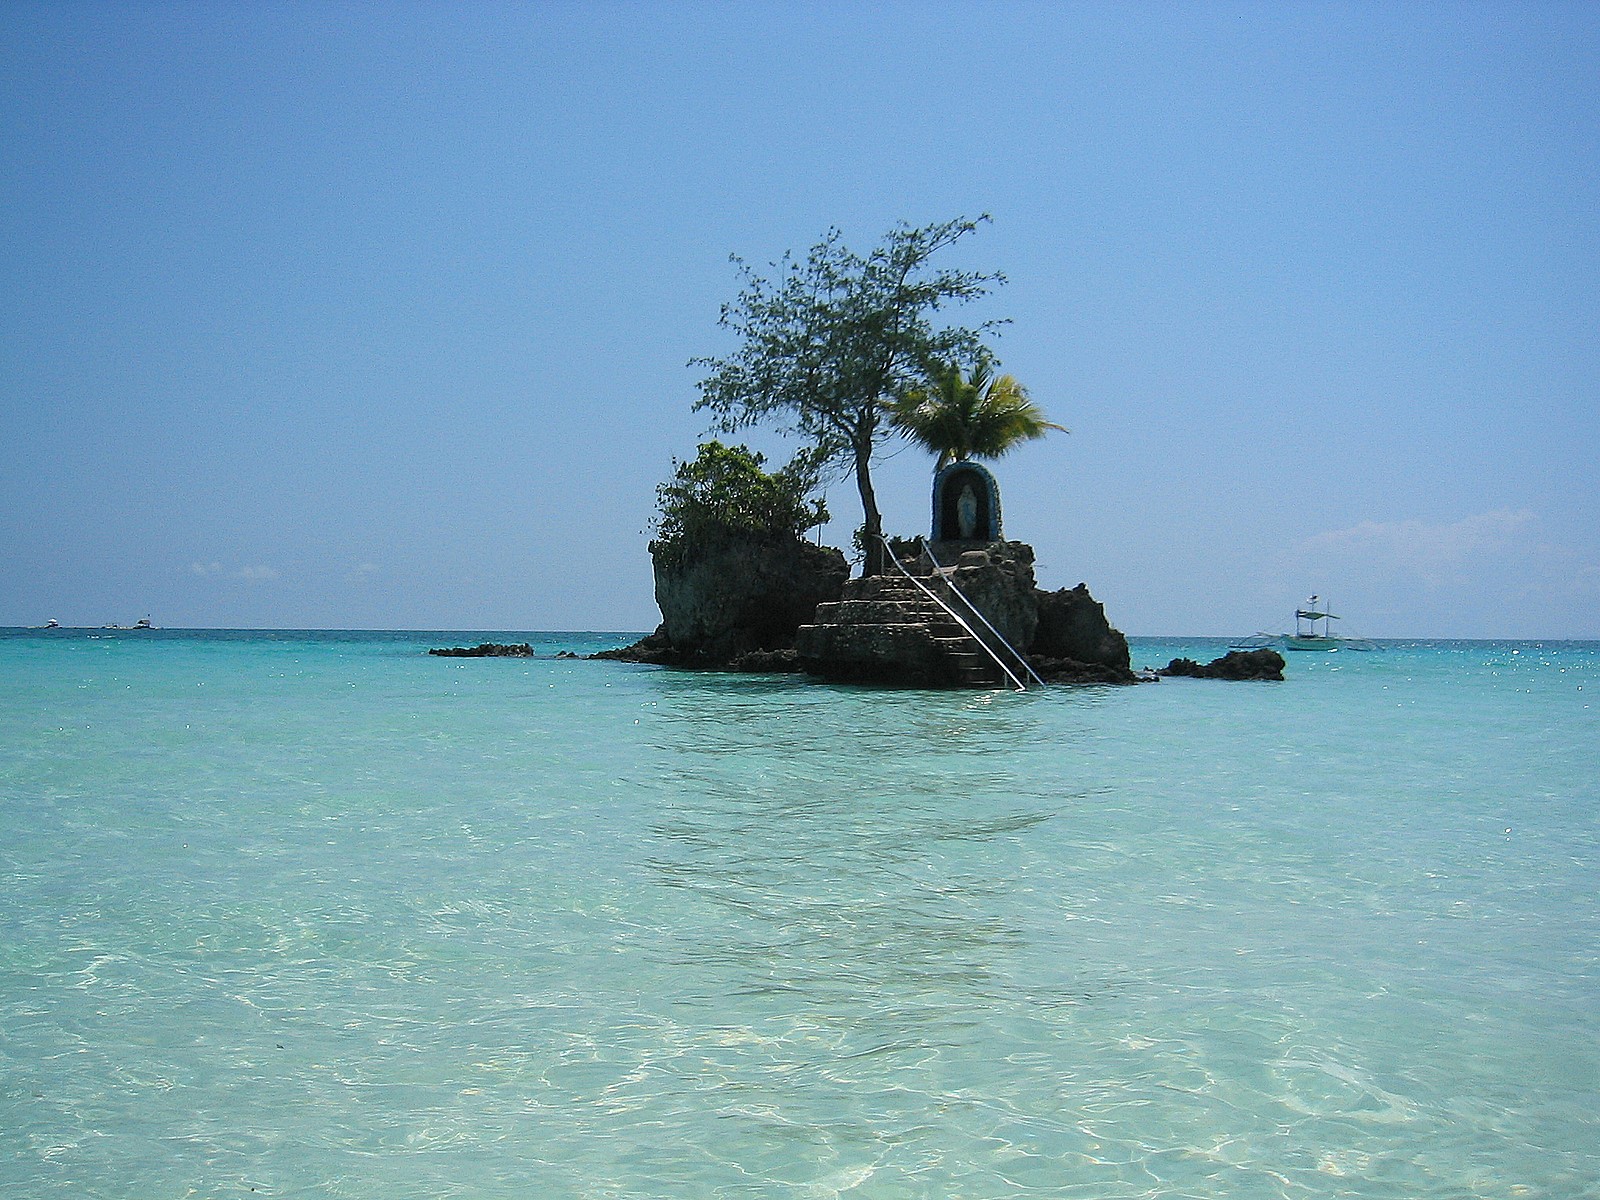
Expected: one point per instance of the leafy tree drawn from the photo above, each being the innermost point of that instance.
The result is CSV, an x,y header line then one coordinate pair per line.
x,y
725,490
829,344
977,414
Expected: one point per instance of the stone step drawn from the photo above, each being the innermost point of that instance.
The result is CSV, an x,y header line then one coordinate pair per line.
x,y
890,617
973,667
882,612
884,587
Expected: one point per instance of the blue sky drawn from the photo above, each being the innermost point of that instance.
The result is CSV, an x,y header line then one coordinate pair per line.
x,y
360,315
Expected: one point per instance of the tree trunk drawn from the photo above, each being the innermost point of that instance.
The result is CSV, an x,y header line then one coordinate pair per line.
x,y
873,529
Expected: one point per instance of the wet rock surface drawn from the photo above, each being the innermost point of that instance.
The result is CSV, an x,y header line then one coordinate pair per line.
x,y
485,650
1236,664
1072,625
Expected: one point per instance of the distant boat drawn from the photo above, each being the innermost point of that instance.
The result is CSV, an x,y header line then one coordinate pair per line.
x,y
1307,635
141,623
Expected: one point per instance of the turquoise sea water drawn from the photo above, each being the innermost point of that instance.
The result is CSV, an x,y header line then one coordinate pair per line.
x,y
317,915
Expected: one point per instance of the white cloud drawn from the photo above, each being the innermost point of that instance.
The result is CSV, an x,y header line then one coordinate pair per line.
x,y
204,569
1437,554
1492,574
255,574
362,573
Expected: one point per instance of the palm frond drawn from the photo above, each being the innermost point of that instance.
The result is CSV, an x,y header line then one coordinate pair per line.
x,y
975,414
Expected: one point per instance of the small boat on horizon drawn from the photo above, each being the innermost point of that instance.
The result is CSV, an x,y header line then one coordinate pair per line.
x,y
1306,635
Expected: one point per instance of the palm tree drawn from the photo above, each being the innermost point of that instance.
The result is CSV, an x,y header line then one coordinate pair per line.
x,y
960,416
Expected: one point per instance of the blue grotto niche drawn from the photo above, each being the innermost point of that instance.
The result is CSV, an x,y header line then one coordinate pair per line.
x,y
966,504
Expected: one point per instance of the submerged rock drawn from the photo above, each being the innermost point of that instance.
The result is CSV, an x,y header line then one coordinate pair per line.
x,y
1235,664
1071,670
654,649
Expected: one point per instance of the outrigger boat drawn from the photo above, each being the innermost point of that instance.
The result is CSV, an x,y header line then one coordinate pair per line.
x,y
1307,635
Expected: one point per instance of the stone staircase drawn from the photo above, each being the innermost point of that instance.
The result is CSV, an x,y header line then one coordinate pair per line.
x,y
885,629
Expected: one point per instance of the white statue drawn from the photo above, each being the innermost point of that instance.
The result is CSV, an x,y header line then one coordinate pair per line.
x,y
967,513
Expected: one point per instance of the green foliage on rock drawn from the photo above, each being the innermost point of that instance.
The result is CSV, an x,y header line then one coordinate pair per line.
x,y
724,490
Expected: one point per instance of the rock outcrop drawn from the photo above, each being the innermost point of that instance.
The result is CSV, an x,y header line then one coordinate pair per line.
x,y
486,650
1072,625
998,580
736,602
743,603
1235,664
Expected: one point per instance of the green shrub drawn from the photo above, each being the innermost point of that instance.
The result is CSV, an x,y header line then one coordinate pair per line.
x,y
724,490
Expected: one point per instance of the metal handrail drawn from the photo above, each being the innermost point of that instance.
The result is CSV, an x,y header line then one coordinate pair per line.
x,y
977,612
957,618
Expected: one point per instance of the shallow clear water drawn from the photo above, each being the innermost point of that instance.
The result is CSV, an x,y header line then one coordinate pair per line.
x,y
318,915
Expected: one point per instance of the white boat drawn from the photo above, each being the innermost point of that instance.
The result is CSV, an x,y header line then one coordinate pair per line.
x,y
1307,635
141,623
